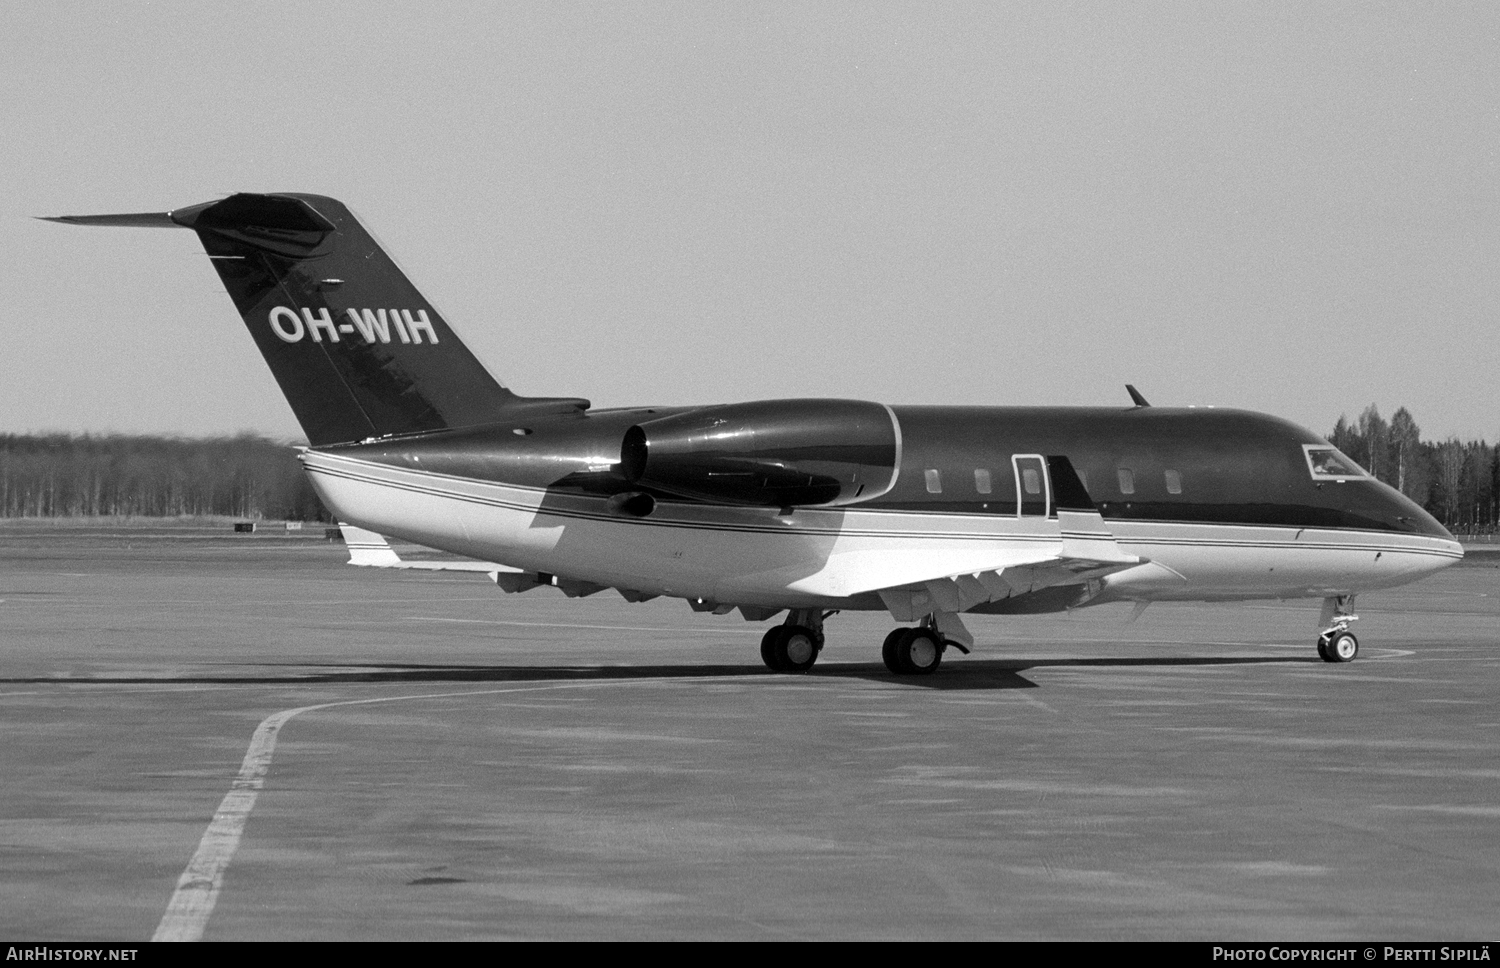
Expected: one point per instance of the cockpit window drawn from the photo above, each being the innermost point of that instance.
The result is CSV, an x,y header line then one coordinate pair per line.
x,y
1327,464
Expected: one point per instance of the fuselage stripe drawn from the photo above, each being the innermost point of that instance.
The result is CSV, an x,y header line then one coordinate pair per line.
x,y
435,490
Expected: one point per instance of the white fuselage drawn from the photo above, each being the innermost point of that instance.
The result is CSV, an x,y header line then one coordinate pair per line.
x,y
834,557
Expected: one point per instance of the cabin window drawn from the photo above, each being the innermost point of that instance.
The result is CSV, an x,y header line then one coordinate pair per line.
x,y
1328,464
1031,479
982,480
1127,480
1174,482
934,482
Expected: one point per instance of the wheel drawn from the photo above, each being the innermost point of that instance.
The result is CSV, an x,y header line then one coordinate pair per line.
x,y
916,652
888,648
790,648
1323,648
768,649
797,648
1341,647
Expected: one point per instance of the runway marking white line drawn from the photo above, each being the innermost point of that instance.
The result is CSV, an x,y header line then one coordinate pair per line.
x,y
1037,702
198,888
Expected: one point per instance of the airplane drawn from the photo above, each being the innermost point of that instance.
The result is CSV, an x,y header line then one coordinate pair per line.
x,y
806,507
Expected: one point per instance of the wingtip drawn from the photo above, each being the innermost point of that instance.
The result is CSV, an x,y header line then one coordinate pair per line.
x,y
149,220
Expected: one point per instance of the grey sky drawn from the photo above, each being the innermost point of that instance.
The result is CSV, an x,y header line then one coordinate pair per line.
x,y
1286,207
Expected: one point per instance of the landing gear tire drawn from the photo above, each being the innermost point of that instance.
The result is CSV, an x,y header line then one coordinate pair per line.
x,y
915,652
768,649
790,648
888,648
1339,647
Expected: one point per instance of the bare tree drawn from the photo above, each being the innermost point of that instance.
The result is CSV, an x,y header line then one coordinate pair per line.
x,y
1375,433
1450,467
1405,449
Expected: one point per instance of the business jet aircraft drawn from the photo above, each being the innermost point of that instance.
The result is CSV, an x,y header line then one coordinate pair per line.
x,y
806,507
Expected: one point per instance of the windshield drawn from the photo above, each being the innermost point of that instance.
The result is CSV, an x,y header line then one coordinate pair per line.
x,y
1328,464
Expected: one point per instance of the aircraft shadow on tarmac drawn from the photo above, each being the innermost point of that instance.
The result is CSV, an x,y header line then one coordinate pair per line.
x,y
978,674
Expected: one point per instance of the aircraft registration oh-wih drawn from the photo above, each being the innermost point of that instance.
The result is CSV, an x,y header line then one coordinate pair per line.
x,y
804,507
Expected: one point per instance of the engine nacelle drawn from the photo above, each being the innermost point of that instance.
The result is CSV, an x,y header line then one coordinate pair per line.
x,y
771,453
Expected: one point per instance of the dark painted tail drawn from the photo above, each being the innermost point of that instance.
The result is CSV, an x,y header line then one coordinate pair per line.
x,y
356,349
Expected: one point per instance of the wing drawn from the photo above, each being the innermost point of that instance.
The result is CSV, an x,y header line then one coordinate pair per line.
x,y
1084,552
946,581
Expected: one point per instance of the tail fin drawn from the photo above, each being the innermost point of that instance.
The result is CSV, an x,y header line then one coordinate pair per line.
x,y
356,349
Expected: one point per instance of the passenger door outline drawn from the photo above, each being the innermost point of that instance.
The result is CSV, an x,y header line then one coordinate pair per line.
x,y
1037,464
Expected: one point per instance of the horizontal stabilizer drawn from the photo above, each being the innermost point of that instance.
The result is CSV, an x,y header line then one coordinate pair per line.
x,y
143,220
367,549
370,550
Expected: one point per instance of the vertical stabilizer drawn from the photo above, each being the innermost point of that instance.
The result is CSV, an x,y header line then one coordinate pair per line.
x,y
356,349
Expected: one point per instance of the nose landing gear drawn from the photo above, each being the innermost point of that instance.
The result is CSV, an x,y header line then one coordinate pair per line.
x,y
1338,647
1335,642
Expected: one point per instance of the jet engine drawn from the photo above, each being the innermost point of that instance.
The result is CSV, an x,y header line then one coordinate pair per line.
x,y
772,453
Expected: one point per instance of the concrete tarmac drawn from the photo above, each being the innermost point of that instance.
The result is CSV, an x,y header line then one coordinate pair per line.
x,y
527,766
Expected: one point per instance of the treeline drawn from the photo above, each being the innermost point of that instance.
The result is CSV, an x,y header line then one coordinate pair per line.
x,y
1457,481
61,475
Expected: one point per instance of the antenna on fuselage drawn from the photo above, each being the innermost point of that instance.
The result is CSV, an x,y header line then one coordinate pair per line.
x,y
1135,395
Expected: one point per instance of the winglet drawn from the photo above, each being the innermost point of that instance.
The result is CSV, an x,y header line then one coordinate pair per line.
x,y
1084,533
1068,492
1135,395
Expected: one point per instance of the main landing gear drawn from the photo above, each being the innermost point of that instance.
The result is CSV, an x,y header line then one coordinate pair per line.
x,y
918,651
912,652
1336,643
794,645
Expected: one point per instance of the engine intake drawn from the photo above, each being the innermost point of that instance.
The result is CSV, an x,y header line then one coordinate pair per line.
x,y
771,453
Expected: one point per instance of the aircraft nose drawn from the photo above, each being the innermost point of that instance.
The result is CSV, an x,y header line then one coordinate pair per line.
x,y
1409,516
